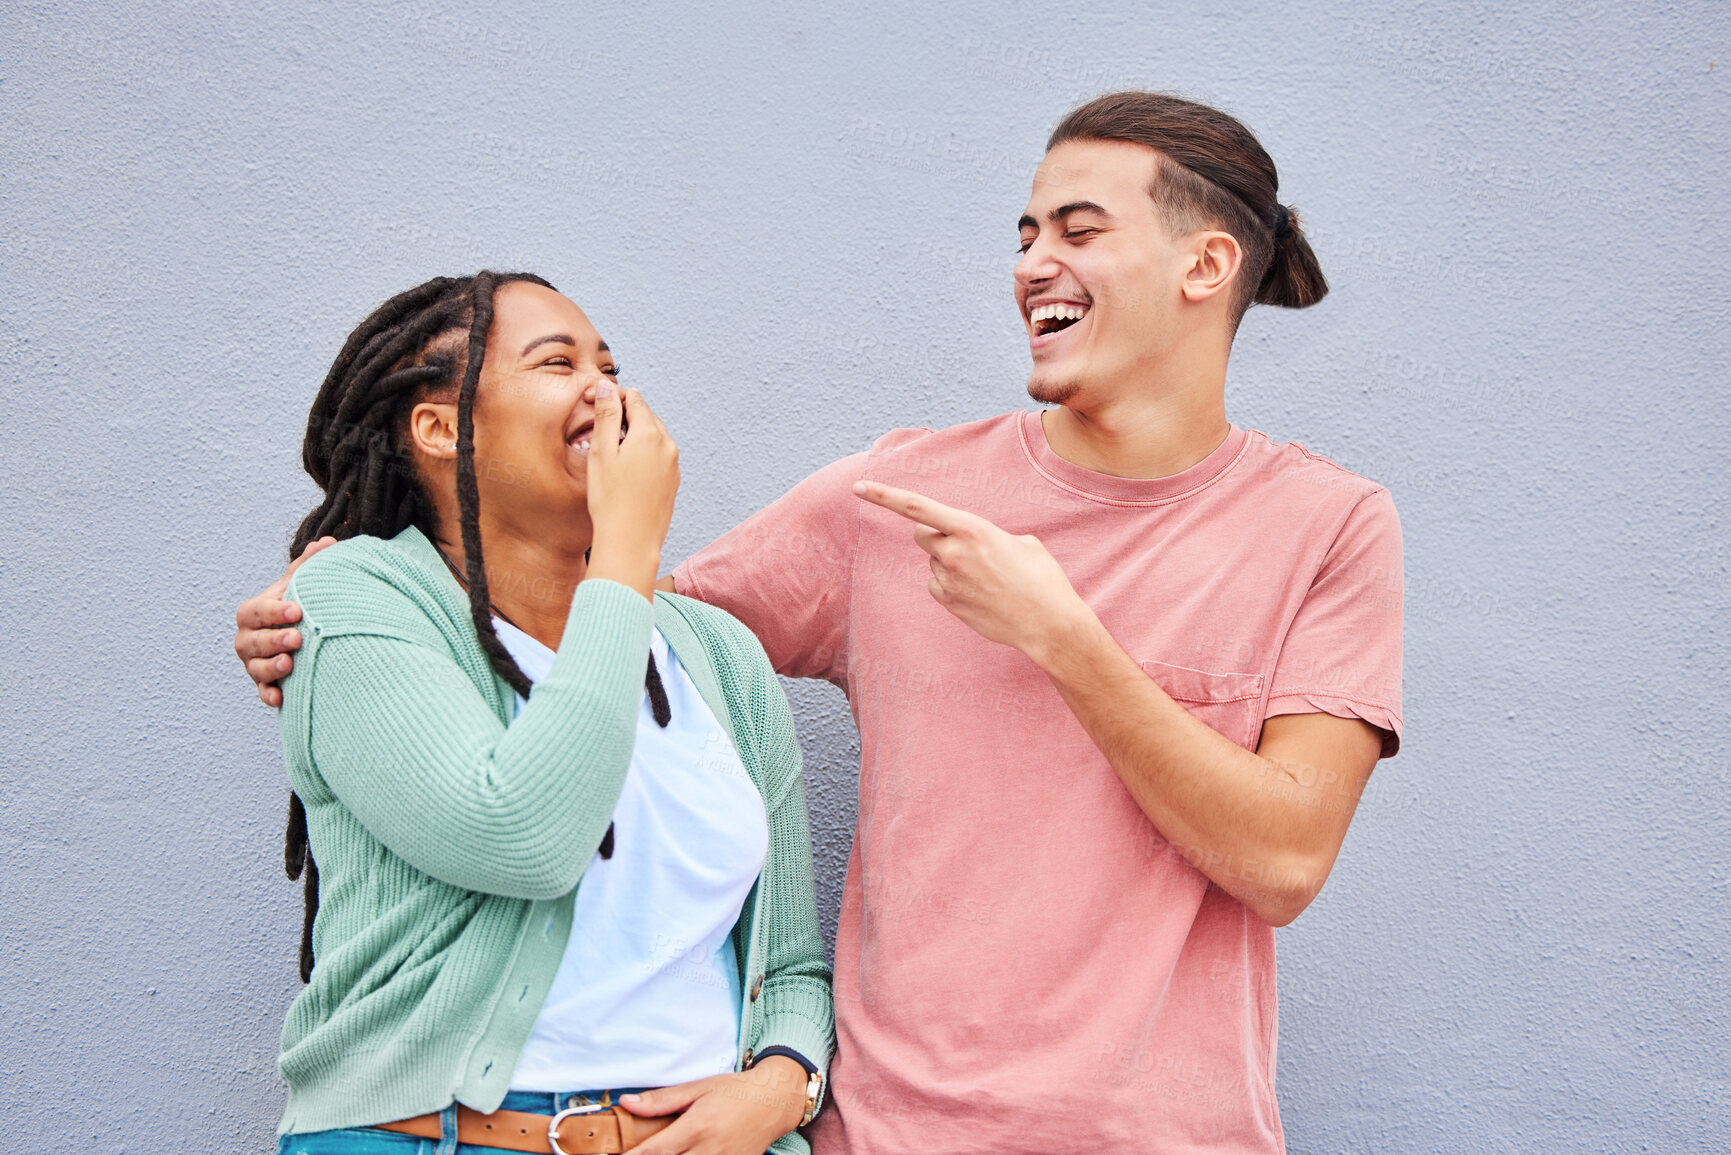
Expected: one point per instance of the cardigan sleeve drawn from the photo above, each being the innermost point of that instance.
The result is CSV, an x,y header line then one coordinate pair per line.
x,y
404,738
797,1005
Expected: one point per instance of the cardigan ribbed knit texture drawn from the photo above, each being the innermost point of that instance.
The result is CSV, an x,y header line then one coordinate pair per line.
x,y
450,839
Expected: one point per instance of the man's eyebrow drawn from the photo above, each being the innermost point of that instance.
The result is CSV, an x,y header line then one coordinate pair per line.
x,y
1062,211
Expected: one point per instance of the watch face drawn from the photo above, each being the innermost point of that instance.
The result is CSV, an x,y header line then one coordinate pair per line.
x,y
813,1086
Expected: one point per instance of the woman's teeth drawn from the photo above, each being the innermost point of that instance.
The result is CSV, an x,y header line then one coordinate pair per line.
x,y
580,443
1051,318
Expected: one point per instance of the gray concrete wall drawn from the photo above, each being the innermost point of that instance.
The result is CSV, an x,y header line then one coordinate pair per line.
x,y
797,227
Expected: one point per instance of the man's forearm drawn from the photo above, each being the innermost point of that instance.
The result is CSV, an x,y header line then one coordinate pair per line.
x,y
1249,823
1265,826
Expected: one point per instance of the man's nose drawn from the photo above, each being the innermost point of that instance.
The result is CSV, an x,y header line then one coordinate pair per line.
x,y
1036,265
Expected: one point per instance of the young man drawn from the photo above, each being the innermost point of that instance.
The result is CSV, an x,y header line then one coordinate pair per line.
x,y
1120,669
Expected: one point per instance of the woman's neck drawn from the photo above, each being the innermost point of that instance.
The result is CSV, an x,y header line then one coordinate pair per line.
x,y
531,577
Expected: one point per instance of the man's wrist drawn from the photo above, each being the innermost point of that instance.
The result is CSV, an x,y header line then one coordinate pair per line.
x,y
1063,636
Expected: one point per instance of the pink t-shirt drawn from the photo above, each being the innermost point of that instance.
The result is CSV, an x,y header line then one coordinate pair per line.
x,y
1023,963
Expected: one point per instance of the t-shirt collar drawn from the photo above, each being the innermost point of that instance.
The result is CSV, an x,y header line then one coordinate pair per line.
x,y
1127,490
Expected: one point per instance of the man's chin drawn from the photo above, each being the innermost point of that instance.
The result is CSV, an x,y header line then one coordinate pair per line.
x,y
1052,390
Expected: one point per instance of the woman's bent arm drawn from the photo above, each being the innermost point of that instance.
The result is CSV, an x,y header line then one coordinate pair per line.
x,y
401,735
798,1009
794,1007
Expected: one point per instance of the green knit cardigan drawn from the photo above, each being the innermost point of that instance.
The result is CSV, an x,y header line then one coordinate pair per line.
x,y
450,839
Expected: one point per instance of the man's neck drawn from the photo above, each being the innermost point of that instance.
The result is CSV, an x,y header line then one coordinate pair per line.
x,y
1141,437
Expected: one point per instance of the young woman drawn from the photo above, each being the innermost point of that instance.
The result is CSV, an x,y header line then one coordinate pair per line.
x,y
559,886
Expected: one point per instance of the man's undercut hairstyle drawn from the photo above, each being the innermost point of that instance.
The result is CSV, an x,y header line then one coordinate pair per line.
x,y
427,343
1211,173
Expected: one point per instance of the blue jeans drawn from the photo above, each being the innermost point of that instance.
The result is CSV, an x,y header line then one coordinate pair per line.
x,y
372,1141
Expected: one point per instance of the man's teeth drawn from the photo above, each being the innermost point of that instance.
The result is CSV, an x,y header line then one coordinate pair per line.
x,y
1058,313
1050,318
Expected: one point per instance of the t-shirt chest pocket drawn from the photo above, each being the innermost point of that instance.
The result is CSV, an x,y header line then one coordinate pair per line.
x,y
1227,702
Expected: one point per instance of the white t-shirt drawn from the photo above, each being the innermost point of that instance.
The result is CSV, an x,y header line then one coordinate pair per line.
x,y
647,993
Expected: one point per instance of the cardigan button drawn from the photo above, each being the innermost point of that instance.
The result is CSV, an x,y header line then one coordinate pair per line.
x,y
757,988
745,1063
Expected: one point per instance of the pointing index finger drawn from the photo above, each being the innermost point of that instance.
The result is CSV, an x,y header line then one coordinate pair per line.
x,y
913,506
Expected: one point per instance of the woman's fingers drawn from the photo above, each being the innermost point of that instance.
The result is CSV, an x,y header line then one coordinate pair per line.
x,y
609,412
632,488
637,410
740,1113
648,449
666,1100
682,1138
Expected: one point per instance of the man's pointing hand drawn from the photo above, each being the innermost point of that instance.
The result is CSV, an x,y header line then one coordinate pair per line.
x,y
1005,587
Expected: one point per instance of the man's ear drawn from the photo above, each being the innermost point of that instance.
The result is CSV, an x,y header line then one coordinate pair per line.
x,y
1215,259
433,429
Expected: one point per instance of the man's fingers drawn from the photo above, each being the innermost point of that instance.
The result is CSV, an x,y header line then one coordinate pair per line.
x,y
266,611
312,547
261,642
267,643
275,589
266,671
915,507
928,538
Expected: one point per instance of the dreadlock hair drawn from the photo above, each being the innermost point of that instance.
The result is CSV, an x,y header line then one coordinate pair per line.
x,y
357,448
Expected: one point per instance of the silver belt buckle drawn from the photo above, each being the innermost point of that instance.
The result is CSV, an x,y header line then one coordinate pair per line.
x,y
569,1113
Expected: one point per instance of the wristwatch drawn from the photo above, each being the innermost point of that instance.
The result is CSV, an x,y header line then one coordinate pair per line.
x,y
813,1092
813,1078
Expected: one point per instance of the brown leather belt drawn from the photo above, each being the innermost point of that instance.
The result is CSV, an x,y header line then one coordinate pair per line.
x,y
580,1130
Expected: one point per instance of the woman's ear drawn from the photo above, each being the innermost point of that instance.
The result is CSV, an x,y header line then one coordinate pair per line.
x,y
433,429
1214,261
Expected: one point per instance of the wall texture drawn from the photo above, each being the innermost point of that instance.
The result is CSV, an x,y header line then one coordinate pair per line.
x,y
797,227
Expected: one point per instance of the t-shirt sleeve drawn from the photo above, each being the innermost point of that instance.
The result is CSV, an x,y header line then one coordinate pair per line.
x,y
1342,655
786,572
